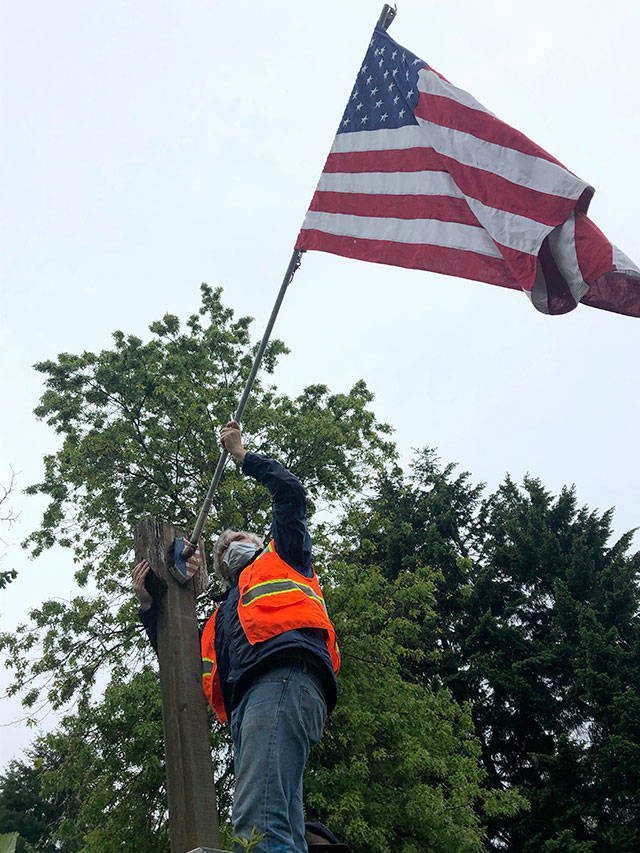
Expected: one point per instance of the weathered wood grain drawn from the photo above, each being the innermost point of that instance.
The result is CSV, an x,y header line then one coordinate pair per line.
x,y
193,814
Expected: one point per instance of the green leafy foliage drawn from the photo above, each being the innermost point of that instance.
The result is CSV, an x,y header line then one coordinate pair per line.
x,y
249,844
139,429
112,757
538,629
97,784
398,768
25,808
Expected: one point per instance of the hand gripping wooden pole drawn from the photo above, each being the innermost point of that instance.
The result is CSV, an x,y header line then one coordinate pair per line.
x,y
193,814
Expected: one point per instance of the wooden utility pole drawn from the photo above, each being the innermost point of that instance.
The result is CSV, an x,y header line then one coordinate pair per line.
x,y
193,814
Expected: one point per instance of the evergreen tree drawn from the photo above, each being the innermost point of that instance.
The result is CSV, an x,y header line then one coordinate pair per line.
x,y
399,766
26,807
538,628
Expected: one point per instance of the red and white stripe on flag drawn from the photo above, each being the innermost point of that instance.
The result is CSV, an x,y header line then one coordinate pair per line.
x,y
451,189
193,563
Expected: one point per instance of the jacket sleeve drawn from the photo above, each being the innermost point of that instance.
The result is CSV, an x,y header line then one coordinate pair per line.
x,y
289,520
149,619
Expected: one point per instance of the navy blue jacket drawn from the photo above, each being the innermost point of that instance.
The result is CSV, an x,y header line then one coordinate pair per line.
x,y
238,661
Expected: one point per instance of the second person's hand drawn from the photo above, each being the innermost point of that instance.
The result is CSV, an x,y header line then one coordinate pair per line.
x,y
137,578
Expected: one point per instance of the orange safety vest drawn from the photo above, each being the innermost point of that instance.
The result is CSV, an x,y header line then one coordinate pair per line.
x,y
274,598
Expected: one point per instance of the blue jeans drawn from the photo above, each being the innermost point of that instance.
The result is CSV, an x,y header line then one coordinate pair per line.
x,y
278,720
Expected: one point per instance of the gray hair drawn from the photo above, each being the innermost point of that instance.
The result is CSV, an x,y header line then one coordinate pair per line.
x,y
222,543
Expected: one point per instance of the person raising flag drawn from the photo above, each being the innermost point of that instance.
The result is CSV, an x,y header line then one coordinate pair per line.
x,y
269,652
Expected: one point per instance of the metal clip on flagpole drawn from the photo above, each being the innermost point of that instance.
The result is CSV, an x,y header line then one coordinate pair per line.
x,y
183,549
386,16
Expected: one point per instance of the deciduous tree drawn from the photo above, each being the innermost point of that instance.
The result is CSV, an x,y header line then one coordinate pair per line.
x,y
138,428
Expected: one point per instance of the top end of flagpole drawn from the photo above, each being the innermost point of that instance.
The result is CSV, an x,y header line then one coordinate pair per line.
x,y
387,15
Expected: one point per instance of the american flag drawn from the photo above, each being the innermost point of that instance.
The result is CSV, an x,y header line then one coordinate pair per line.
x,y
421,175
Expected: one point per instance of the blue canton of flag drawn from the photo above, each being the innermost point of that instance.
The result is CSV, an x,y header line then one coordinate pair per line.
x,y
385,93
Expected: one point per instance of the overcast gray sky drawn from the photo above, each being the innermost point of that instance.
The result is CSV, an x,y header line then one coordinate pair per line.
x,y
150,146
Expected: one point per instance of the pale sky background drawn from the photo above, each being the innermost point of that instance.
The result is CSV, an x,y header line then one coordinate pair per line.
x,y
149,146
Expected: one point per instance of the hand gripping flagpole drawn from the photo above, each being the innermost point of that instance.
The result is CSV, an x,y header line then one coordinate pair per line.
x,y
190,546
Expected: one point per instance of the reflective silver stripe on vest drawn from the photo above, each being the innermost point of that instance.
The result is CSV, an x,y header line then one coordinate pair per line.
x,y
207,667
274,587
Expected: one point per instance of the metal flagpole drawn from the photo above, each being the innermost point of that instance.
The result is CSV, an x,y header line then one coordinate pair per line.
x,y
190,546
386,17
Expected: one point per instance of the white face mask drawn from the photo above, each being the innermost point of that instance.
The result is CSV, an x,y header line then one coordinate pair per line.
x,y
239,555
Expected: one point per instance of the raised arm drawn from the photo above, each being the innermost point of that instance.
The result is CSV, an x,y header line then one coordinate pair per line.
x,y
289,522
